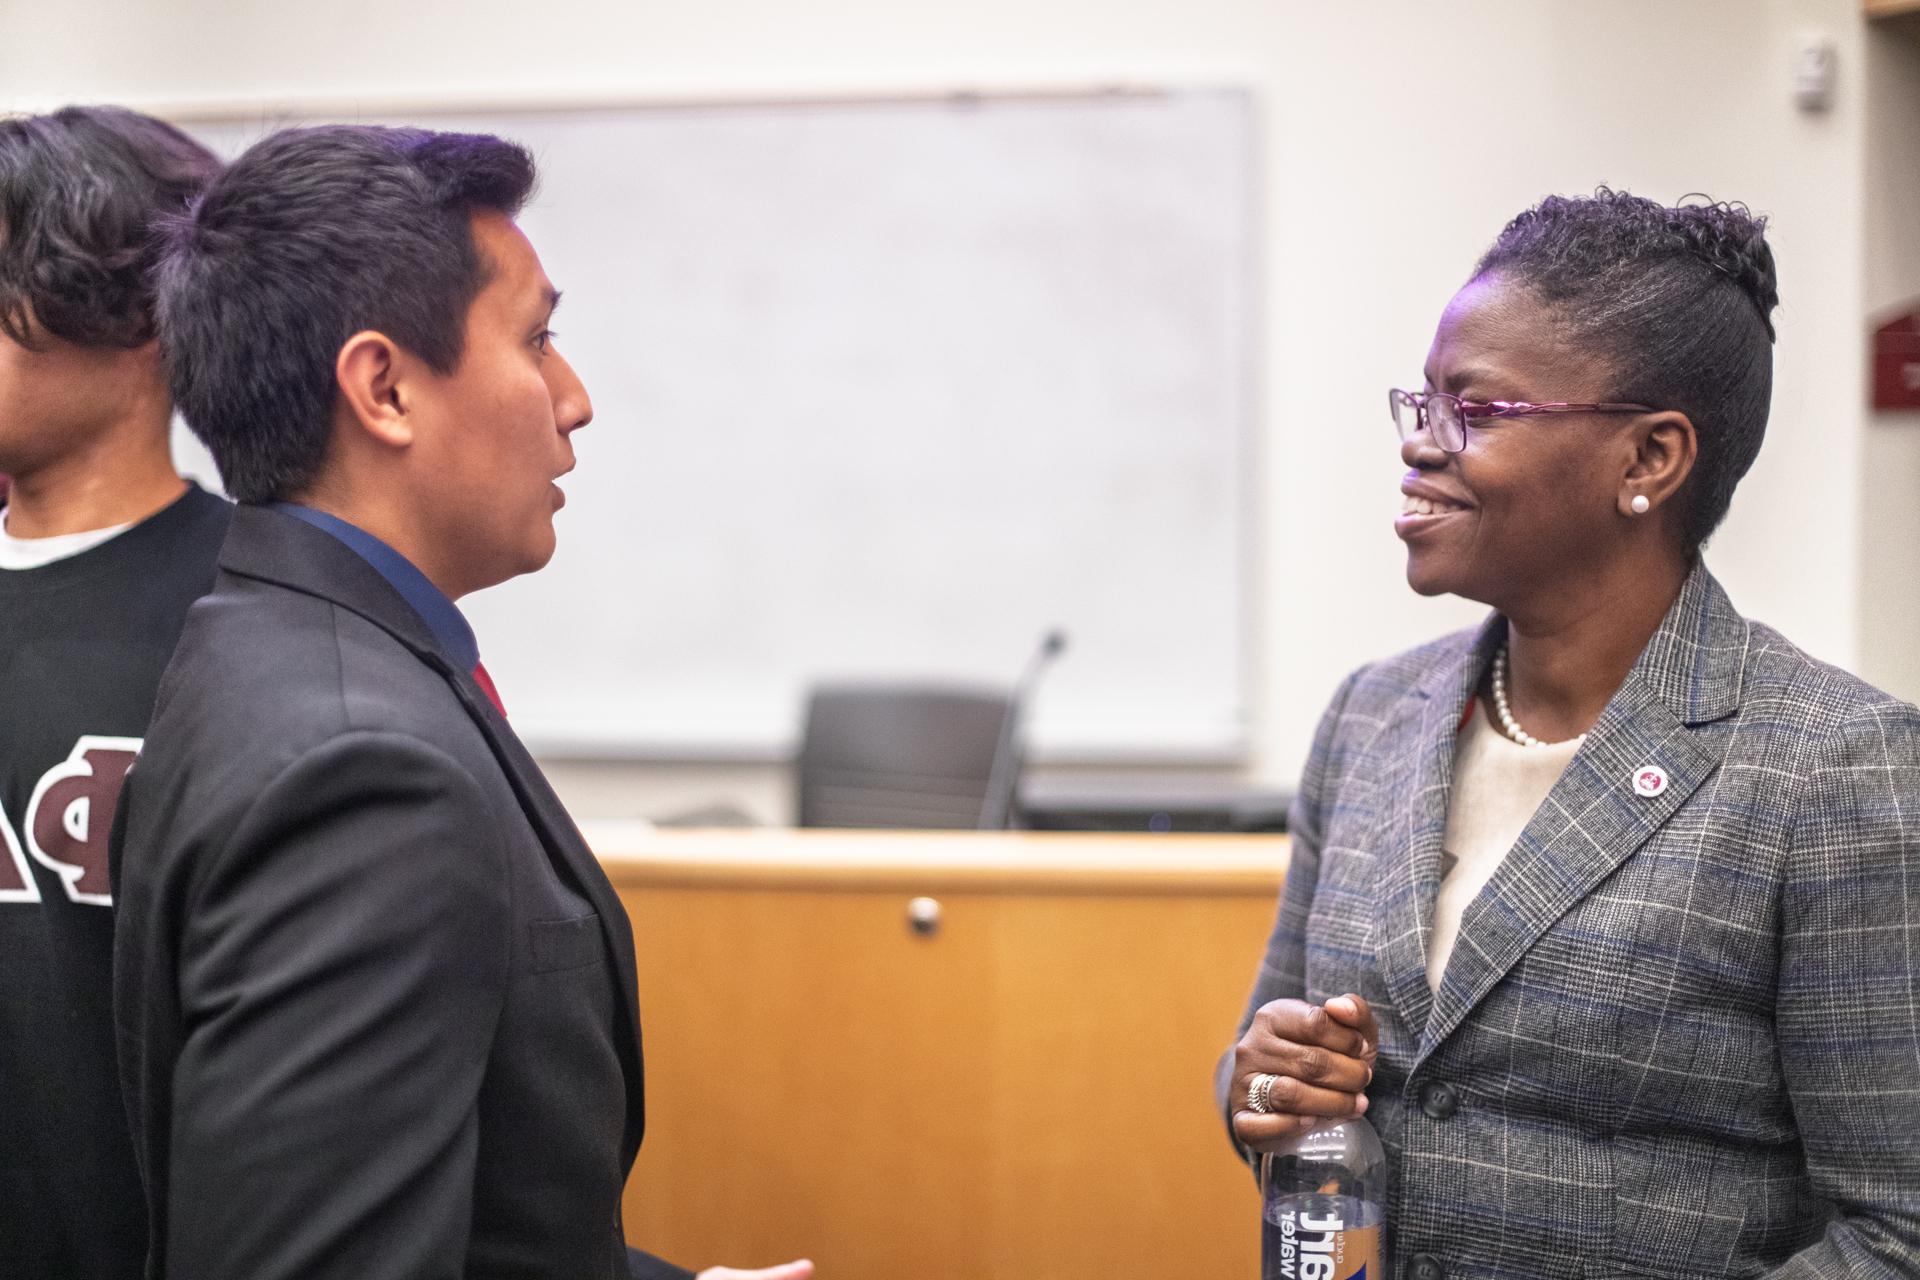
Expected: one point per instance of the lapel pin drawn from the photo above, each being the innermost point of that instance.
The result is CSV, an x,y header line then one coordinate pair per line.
x,y
1649,781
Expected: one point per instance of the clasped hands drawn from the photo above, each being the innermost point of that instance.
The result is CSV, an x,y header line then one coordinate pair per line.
x,y
1322,1057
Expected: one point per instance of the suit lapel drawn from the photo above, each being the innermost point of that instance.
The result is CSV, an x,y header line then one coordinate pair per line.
x,y
549,817
275,547
1415,786
567,848
1594,819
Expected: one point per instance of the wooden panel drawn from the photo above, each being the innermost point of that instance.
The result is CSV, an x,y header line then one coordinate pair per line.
x,y
1025,1094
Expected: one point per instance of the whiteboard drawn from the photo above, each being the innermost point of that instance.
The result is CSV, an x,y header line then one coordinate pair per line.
x,y
886,390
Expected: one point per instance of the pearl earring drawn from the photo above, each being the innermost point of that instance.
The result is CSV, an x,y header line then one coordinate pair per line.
x,y
1640,504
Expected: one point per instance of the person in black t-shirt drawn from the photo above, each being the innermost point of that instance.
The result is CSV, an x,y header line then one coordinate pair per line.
x,y
102,549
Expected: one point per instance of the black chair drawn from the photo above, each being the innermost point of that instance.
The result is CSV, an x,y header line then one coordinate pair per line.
x,y
903,756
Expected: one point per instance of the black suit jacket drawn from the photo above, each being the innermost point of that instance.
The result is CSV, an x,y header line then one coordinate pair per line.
x,y
375,997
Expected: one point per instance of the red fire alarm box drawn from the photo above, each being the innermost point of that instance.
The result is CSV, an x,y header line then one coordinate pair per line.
x,y
1896,362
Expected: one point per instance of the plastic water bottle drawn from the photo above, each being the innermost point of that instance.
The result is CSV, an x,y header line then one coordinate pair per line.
x,y
1324,1206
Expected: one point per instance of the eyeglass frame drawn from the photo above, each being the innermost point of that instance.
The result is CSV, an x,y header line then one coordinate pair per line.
x,y
1471,409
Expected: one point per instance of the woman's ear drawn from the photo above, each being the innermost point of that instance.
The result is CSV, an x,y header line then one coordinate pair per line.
x,y
1665,448
371,371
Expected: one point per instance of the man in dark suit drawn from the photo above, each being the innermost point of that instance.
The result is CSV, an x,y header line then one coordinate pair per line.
x,y
375,997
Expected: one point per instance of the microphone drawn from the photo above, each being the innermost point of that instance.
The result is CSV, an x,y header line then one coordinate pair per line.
x,y
1003,777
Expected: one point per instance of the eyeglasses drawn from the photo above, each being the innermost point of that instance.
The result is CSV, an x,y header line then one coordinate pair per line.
x,y
1444,417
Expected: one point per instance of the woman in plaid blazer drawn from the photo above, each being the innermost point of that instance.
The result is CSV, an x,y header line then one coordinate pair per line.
x,y
1678,1030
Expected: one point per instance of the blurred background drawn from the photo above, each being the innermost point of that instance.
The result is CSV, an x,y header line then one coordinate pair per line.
x,y
1299,187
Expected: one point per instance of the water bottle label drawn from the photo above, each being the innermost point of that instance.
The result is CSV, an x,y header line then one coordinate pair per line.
x,y
1325,1246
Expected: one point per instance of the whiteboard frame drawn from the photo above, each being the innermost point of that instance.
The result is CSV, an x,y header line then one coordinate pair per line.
x,y
345,107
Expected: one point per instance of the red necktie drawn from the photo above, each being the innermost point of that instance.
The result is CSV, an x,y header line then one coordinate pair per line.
x,y
485,681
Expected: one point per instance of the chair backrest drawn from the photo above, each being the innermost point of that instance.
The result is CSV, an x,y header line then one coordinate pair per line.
x,y
898,755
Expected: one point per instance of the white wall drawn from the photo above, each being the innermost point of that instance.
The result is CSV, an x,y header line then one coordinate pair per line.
x,y
1399,136
1890,475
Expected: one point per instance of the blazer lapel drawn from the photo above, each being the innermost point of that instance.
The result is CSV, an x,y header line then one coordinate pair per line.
x,y
275,547
568,849
1595,818
1415,786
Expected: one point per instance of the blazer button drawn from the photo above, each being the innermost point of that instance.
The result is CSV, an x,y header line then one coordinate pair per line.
x,y
1439,1101
1427,1267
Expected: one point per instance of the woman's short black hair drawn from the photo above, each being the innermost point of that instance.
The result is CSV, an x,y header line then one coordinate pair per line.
x,y
1679,298
79,192
309,237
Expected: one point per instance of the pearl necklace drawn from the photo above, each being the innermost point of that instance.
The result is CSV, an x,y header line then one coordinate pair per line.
x,y
1508,724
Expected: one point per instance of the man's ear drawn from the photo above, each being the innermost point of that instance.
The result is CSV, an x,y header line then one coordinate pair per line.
x,y
373,374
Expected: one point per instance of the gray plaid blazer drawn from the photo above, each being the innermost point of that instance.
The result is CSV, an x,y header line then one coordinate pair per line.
x,y
1679,1035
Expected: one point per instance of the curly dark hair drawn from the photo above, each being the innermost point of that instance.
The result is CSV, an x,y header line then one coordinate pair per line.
x,y
1679,299
309,237
79,192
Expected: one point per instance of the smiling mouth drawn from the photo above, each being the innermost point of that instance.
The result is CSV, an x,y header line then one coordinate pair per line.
x,y
1417,505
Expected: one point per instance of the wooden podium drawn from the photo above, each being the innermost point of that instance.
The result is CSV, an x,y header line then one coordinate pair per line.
x,y
934,1056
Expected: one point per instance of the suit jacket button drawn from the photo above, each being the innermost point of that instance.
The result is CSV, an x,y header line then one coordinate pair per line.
x,y
1439,1101
1427,1267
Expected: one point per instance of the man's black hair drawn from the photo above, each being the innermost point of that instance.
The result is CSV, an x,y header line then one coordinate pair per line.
x,y
311,236
1679,299
80,190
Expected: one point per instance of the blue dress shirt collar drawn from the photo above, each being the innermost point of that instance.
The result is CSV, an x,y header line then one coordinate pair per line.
x,y
442,616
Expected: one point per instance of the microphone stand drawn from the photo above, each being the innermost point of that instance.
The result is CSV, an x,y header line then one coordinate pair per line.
x,y
996,806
